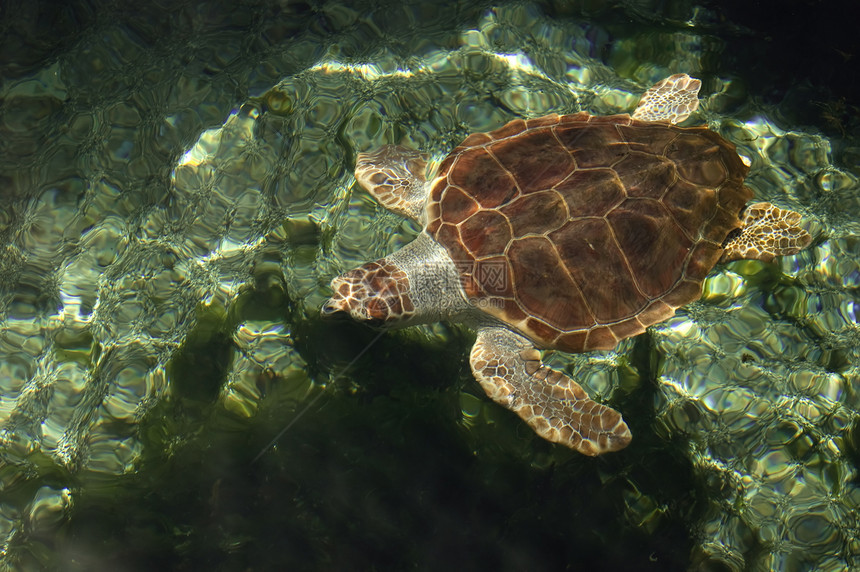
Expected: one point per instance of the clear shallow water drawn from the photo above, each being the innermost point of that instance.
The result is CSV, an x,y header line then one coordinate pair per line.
x,y
177,194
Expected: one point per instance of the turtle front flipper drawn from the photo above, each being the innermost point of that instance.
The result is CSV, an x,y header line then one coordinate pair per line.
x,y
395,176
509,369
766,231
672,99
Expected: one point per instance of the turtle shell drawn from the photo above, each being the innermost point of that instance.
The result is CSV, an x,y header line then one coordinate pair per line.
x,y
580,231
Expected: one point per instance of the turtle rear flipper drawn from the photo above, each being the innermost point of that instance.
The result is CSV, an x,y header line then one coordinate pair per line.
x,y
672,99
509,369
766,231
395,176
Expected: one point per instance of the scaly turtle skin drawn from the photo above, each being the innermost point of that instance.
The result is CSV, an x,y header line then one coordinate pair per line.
x,y
563,232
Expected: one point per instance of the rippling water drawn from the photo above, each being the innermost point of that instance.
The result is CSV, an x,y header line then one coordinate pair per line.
x,y
177,192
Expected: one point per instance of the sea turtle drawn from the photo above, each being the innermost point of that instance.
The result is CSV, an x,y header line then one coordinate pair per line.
x,y
566,232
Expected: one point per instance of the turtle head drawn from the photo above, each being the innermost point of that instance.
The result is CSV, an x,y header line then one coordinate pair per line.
x,y
376,294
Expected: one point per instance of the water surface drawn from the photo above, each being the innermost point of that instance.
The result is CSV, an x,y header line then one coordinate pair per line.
x,y
177,192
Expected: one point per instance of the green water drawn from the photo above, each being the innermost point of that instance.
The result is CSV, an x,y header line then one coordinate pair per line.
x,y
177,192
